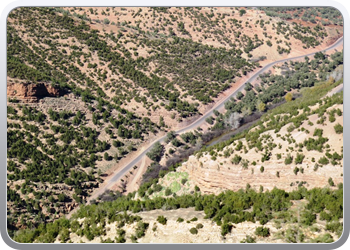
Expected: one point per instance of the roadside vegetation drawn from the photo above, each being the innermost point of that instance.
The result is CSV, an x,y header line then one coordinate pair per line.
x,y
133,80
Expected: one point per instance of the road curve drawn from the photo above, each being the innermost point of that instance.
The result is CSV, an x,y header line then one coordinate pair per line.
x,y
200,120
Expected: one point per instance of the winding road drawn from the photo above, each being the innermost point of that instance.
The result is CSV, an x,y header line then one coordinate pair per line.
x,y
118,174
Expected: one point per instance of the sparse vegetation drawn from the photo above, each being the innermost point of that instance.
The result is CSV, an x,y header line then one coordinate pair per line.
x,y
262,231
180,219
162,220
338,129
194,230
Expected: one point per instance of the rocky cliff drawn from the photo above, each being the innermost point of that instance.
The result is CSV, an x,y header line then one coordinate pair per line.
x,y
31,92
211,177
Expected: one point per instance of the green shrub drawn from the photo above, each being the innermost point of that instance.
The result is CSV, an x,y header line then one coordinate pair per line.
x,y
168,192
338,128
325,238
194,230
239,95
175,142
299,158
242,12
288,160
236,159
323,160
289,97
339,112
150,191
262,231
263,220
325,216
266,156
239,146
318,132
335,227
290,128
180,219
294,235
308,218
330,182
133,239
106,21
225,229
248,239
157,187
244,164
162,220
141,229
156,152
210,120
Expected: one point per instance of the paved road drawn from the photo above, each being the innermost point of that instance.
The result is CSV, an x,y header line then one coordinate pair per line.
x,y
336,90
201,120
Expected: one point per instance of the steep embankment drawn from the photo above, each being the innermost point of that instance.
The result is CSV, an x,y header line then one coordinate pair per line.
x,y
281,159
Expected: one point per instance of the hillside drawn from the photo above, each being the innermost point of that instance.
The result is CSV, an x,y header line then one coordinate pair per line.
x,y
90,88
289,196
305,152
304,149
267,92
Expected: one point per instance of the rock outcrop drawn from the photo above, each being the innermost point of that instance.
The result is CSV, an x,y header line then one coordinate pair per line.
x,y
211,177
31,92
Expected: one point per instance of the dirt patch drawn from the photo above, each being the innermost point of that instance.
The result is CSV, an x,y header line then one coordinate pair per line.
x,y
136,178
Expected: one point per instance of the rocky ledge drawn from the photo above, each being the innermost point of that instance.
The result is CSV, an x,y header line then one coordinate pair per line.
x,y
31,92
